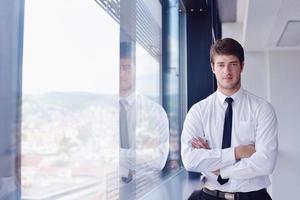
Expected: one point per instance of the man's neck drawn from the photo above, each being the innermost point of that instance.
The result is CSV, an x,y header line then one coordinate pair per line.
x,y
229,92
126,93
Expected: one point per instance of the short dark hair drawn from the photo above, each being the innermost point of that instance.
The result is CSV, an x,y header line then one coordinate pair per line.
x,y
227,46
125,50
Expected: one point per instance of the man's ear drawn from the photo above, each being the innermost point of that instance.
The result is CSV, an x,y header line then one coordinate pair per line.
x,y
242,66
212,67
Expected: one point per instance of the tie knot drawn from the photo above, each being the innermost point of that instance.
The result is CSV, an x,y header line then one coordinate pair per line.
x,y
123,102
229,100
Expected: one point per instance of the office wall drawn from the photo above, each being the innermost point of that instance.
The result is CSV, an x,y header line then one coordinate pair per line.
x,y
233,30
285,97
275,76
255,74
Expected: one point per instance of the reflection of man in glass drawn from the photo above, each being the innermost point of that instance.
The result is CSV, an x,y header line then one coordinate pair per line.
x,y
144,127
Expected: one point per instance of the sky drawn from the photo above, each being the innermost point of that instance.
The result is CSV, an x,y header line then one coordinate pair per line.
x,y
69,45
73,46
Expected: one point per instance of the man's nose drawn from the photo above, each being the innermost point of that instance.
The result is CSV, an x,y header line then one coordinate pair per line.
x,y
227,69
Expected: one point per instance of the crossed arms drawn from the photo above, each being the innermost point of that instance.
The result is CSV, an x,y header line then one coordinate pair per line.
x,y
239,162
240,152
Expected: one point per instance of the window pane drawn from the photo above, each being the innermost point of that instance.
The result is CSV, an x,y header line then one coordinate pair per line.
x,y
148,73
145,156
69,111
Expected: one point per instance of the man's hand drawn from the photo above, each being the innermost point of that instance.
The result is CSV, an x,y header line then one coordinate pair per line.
x,y
199,143
217,172
244,151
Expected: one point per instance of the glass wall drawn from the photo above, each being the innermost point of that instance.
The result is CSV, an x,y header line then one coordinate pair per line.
x,y
70,110
11,33
148,73
144,154
93,125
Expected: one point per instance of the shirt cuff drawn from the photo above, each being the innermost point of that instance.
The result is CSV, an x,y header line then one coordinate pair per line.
x,y
228,157
225,172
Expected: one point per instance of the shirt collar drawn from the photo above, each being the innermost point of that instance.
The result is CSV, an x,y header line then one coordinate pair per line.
x,y
236,96
129,100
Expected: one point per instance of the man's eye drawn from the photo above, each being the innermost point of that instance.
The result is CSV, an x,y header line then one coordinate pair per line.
x,y
125,67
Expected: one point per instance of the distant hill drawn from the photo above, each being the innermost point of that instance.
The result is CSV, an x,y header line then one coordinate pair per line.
x,y
68,100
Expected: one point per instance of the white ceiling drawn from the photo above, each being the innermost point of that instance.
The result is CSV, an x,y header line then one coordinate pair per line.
x,y
265,21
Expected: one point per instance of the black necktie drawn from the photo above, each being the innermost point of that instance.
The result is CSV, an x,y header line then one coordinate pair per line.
x,y
124,137
226,141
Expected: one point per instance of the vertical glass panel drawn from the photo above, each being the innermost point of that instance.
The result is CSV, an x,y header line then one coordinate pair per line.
x,y
147,127
11,31
171,79
148,74
70,115
152,131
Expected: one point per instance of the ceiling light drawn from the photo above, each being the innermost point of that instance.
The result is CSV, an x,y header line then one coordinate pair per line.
x,y
290,35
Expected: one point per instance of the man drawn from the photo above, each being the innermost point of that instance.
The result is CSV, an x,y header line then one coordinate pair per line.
x,y
231,136
147,124
144,132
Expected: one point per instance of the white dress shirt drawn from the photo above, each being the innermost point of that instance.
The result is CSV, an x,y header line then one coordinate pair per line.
x,y
253,122
148,132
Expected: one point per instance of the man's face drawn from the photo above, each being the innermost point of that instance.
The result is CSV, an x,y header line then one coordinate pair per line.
x,y
227,69
126,76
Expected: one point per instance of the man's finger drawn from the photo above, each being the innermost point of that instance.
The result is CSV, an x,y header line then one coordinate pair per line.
x,y
204,142
196,143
